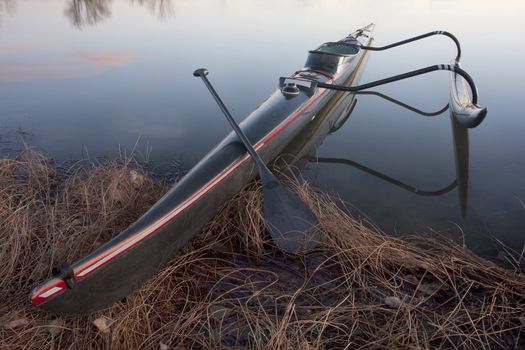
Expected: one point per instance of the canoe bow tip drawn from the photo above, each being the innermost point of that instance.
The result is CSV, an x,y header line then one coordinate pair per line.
x,y
470,117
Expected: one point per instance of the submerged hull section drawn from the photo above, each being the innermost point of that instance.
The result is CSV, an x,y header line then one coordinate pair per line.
x,y
119,266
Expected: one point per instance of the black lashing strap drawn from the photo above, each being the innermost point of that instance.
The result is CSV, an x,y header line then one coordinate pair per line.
x,y
65,271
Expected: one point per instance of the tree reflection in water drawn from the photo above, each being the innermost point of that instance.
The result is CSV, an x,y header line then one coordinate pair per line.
x,y
87,12
90,12
163,9
7,6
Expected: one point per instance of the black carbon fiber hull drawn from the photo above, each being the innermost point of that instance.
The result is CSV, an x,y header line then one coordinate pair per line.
x,y
279,125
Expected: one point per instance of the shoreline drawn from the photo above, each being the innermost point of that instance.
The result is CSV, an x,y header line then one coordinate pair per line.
x,y
231,286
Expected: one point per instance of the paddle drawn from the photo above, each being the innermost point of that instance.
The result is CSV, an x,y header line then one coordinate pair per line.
x,y
290,221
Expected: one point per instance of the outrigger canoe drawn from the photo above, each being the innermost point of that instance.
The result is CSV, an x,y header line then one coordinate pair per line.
x,y
119,266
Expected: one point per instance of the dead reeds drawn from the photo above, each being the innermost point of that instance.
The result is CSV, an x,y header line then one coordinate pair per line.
x,y
230,288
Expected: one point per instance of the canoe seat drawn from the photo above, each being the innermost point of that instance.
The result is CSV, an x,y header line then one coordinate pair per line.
x,y
338,49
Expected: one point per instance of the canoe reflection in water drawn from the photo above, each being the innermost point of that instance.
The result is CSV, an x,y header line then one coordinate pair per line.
x,y
302,149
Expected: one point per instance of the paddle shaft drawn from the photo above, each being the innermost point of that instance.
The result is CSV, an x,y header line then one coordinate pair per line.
x,y
264,172
290,221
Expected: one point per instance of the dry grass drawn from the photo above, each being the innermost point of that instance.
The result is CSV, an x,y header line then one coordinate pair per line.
x,y
231,289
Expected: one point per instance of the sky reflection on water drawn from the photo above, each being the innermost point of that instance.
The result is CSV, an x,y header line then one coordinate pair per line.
x,y
97,74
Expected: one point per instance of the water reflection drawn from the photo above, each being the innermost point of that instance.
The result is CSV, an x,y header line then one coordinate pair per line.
x,y
91,12
7,6
70,65
302,150
461,156
404,105
163,9
87,12
384,177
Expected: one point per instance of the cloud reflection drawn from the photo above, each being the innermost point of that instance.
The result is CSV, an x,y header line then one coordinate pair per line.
x,y
70,65
104,59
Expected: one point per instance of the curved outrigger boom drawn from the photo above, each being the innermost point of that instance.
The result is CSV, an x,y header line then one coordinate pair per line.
x,y
463,99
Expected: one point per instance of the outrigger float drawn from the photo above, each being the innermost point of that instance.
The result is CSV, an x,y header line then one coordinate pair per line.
x,y
316,98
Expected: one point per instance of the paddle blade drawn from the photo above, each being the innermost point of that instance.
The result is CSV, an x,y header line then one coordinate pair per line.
x,y
290,221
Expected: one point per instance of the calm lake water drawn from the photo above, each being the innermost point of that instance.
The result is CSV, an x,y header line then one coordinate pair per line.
x,y
82,77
